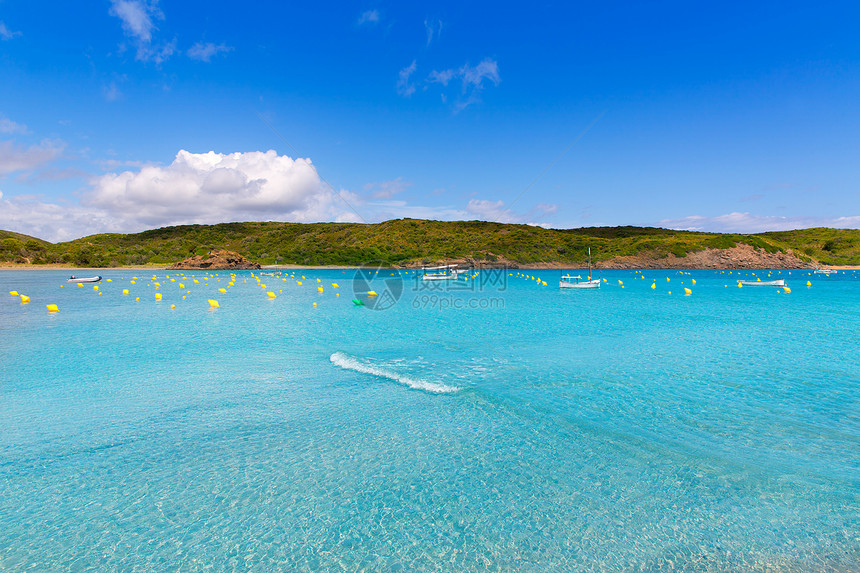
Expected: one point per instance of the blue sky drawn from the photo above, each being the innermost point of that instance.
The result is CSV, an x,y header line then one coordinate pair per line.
x,y
122,115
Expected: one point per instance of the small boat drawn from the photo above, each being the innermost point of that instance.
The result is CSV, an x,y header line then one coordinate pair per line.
x,y
74,279
825,271
440,273
568,281
776,283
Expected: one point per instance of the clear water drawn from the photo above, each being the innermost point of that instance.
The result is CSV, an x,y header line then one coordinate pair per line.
x,y
501,426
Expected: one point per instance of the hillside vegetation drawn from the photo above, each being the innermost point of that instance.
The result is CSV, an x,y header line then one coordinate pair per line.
x,y
411,241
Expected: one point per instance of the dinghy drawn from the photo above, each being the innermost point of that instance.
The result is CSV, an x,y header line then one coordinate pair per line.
x,y
74,279
777,283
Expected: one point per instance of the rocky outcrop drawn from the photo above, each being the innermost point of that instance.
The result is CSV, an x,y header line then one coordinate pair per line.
x,y
741,256
216,261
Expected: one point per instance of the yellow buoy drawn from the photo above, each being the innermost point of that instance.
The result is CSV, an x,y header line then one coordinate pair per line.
x,y
80,284
195,280
371,293
667,279
52,308
786,289
543,283
740,285
110,280
653,285
319,280
687,292
299,283
132,282
315,304
125,291
158,296
334,285
620,283
270,294
808,283
172,306
694,281
25,299
213,303
181,285
13,292
95,287
137,298
222,290
319,289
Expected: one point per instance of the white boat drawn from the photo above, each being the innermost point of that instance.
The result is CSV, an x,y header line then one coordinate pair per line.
x,y
568,281
825,271
74,279
440,273
776,283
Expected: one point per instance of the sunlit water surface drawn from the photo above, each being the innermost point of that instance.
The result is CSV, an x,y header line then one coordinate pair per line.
x,y
498,425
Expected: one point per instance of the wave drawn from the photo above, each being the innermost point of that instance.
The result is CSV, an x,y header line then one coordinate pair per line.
x,y
348,362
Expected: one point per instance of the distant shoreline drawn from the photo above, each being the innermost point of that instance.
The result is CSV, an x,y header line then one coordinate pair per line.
x,y
534,267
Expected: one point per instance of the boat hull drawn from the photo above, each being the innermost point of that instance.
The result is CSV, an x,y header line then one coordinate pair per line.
x,y
777,283
584,284
84,280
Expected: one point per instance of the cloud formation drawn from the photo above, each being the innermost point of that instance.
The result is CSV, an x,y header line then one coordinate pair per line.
x,y
213,188
433,28
404,86
137,17
9,126
17,158
205,51
473,81
6,33
387,189
751,223
368,17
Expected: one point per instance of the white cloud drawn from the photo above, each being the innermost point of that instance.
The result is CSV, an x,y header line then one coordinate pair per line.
x,y
443,77
751,223
368,17
137,17
474,79
213,188
9,126
6,33
16,158
111,92
433,29
54,222
387,189
405,88
487,70
204,52
492,211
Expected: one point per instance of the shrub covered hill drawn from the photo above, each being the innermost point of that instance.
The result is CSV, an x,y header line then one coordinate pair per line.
x,y
406,242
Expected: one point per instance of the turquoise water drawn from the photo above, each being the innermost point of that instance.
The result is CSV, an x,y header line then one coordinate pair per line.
x,y
502,425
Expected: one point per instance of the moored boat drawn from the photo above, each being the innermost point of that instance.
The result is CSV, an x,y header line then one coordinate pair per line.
x,y
776,283
74,279
568,281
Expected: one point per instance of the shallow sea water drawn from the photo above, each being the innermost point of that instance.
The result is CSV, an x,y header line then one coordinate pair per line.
x,y
498,425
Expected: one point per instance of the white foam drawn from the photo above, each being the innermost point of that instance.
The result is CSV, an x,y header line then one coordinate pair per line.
x,y
348,362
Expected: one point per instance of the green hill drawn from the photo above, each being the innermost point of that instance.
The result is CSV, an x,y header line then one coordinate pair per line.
x,y
412,241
